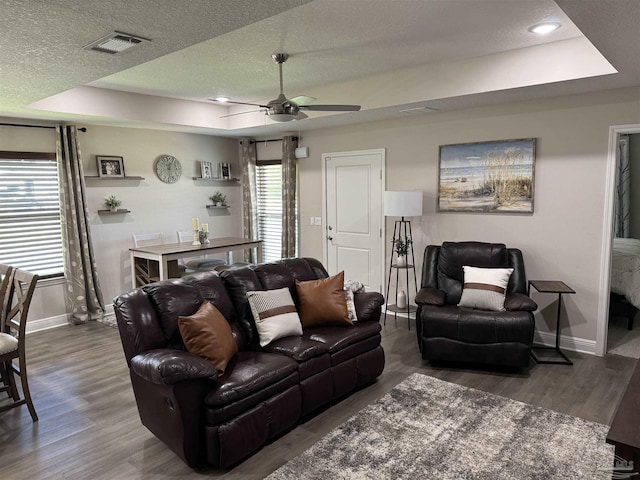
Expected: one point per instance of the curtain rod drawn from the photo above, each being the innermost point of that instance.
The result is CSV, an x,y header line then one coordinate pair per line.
x,y
270,140
32,126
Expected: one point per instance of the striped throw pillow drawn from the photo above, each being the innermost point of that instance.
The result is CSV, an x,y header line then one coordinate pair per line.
x,y
485,288
275,314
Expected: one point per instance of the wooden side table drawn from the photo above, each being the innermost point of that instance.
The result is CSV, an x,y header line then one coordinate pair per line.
x,y
559,287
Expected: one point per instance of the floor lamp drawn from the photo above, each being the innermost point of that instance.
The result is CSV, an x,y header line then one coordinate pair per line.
x,y
402,204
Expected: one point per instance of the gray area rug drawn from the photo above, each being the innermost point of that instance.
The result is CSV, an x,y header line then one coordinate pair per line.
x,y
426,428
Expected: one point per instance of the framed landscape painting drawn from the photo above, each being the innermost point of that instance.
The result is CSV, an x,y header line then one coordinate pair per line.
x,y
487,177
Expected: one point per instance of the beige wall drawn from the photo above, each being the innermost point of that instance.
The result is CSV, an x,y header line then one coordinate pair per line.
x,y
155,206
561,240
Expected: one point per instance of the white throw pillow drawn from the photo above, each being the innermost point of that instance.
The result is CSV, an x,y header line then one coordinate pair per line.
x,y
275,314
485,288
350,288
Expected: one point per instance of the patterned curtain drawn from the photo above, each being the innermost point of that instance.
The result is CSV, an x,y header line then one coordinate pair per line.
x,y
622,217
83,294
289,186
248,158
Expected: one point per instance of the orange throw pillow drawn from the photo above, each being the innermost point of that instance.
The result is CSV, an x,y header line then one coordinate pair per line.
x,y
207,334
322,302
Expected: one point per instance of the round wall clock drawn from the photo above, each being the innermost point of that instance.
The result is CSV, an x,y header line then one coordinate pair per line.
x,y
168,169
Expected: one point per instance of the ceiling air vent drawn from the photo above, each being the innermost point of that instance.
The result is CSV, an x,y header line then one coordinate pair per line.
x,y
116,42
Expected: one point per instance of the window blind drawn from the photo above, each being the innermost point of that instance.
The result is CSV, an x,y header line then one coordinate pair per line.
x,y
30,231
269,197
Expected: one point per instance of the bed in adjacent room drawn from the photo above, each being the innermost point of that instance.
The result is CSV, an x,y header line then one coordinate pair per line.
x,y
625,277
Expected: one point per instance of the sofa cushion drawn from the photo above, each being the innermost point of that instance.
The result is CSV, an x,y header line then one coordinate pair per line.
x,y
207,334
275,314
322,302
300,349
172,298
238,282
454,255
248,373
484,288
336,337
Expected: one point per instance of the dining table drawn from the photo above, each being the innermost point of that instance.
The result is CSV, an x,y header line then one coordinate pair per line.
x,y
159,262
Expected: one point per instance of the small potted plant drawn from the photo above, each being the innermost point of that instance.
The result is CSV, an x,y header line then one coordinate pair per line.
x,y
218,199
112,202
401,246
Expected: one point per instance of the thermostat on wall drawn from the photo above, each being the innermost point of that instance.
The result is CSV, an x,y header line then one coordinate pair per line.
x,y
302,152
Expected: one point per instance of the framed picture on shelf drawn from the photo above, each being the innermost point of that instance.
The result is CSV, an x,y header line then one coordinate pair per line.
x,y
487,177
225,171
205,168
110,166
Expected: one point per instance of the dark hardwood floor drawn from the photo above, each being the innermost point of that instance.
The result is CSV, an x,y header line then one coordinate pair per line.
x,y
89,426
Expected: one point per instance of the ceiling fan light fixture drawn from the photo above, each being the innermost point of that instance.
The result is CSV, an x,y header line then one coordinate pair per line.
x,y
281,117
543,28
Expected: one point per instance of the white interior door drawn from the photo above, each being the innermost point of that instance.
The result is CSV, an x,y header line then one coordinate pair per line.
x,y
354,226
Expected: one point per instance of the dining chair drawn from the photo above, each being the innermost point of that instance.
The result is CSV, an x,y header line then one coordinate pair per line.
x,y
201,264
147,239
17,291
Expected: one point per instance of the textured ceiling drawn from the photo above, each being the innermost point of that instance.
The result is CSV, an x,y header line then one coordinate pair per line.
x,y
385,55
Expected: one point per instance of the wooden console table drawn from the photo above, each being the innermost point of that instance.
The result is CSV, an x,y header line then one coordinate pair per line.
x,y
159,262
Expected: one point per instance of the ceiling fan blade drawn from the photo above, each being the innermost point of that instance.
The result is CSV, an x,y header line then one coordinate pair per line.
x,y
301,116
302,100
239,113
237,103
332,108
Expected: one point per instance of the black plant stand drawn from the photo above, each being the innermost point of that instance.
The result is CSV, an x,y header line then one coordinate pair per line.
x,y
402,228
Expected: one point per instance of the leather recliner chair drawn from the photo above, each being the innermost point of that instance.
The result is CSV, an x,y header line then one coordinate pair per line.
x,y
447,332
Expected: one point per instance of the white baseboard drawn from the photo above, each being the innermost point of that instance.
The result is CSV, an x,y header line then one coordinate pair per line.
x,y
47,323
57,321
573,344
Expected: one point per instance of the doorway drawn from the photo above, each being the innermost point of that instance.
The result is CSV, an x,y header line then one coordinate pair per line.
x,y
607,237
353,186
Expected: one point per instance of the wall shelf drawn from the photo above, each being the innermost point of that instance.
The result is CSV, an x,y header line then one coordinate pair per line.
x,y
233,181
111,212
96,177
215,207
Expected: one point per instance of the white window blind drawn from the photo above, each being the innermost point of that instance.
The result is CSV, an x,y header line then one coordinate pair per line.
x,y
269,197
30,232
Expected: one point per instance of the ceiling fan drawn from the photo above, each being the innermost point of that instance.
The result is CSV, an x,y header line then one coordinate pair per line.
x,y
283,109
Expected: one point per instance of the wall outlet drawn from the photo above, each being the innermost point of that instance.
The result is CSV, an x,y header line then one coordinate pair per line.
x,y
312,220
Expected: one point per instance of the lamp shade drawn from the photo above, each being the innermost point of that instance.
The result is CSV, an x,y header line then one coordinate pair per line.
x,y
402,204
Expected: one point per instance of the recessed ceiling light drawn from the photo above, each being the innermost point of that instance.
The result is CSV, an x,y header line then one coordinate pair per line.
x,y
221,99
543,28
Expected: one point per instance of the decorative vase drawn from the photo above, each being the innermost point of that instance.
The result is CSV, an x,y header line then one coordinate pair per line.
x,y
401,261
203,236
113,209
401,300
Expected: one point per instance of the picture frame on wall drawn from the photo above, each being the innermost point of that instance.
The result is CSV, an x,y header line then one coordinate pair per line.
x,y
110,166
487,177
205,168
225,171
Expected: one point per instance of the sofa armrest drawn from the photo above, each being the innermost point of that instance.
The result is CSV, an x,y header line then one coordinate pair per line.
x,y
519,301
430,296
167,366
368,306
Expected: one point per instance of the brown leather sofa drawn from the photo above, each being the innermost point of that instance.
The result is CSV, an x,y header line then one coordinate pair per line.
x,y
449,333
218,420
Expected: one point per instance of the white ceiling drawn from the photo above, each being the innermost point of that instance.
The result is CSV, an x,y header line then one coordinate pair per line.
x,y
386,55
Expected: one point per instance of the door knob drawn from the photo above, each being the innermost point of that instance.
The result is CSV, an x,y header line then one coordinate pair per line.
x,y
330,238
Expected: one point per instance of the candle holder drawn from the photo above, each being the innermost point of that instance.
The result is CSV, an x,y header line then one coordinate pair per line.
x,y
196,238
